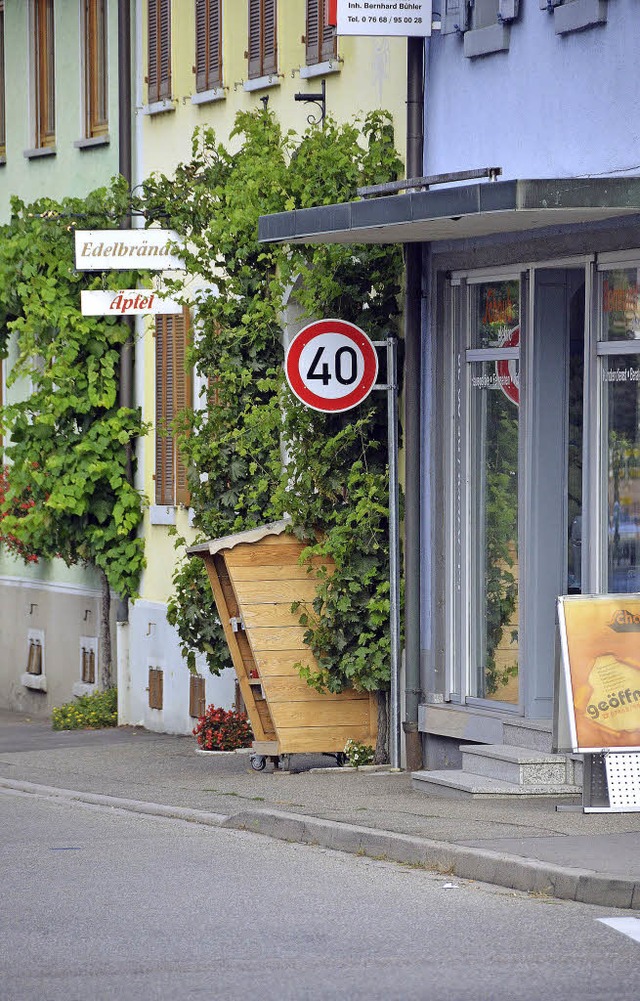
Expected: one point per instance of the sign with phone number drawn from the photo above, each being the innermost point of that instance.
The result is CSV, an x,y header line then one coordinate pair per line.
x,y
376,17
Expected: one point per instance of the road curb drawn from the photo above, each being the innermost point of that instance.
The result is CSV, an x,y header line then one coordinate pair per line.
x,y
132,805
518,873
515,872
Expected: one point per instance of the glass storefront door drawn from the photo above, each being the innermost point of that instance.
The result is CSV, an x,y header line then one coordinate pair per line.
x,y
545,467
619,377
493,431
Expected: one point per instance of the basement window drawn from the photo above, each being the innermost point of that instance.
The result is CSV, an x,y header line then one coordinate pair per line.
x,y
34,676
155,688
88,667
197,696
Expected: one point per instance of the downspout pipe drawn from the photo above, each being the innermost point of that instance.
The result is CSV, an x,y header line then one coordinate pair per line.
x,y
125,392
412,415
125,168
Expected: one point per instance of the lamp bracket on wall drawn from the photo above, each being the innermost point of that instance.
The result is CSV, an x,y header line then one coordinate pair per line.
x,y
319,99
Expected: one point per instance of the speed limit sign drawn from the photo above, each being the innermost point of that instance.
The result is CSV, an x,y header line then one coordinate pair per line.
x,y
331,365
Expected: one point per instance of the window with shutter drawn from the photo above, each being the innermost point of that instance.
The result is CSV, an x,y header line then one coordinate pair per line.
x,y
208,44
484,24
44,73
95,68
574,15
173,395
320,37
263,50
159,50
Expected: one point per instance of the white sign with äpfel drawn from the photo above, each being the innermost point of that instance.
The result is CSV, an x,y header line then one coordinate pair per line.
x,y
126,302
127,250
377,17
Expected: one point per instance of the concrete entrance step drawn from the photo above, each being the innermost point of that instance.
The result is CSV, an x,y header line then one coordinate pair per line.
x,y
533,733
458,784
517,765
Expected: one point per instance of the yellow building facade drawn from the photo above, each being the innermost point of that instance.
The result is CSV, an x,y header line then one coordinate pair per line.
x,y
200,62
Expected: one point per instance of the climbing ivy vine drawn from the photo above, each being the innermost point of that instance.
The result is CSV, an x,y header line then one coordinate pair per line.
x,y
65,490
254,452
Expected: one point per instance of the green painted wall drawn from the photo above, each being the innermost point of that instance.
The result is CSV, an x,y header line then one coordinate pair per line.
x,y
71,171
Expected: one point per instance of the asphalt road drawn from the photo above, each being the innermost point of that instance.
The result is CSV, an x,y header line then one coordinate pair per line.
x,y
101,905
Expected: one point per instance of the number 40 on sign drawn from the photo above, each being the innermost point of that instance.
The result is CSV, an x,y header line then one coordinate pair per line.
x,y
331,365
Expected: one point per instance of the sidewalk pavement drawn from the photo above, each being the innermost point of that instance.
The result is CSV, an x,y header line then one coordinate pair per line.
x,y
524,844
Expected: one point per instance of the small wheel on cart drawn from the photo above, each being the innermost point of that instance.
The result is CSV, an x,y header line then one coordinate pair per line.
x,y
258,762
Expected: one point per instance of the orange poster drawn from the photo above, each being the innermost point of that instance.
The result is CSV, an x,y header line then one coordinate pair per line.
x,y
601,655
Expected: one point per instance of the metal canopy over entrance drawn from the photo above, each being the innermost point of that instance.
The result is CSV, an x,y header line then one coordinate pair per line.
x,y
470,210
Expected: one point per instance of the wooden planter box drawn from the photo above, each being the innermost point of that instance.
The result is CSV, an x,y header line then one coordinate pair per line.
x,y
255,576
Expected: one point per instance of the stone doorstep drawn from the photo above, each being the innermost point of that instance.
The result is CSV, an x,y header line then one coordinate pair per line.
x,y
535,734
519,765
465,785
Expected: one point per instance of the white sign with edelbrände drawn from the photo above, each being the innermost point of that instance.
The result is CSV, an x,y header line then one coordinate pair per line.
x,y
126,302
127,250
384,17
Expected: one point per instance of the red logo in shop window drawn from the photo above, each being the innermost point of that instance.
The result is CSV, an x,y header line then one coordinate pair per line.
x,y
507,369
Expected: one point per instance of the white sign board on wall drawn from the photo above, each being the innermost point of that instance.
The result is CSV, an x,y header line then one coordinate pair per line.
x,y
126,302
384,17
127,250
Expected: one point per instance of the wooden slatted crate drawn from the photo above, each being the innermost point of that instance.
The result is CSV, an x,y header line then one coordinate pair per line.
x,y
255,576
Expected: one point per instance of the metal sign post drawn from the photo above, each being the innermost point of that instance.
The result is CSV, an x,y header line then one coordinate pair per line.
x,y
331,366
394,549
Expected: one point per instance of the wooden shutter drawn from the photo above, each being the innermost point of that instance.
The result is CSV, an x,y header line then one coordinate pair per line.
x,y
255,37
34,662
156,689
152,49
165,49
44,74
321,36
159,48
95,67
173,394
88,666
312,37
269,46
197,697
182,399
263,52
208,44
328,47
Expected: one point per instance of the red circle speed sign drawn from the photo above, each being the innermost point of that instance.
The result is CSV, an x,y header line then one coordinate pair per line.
x,y
331,365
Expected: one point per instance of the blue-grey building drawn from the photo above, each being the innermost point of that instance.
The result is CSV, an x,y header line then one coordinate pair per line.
x,y
523,425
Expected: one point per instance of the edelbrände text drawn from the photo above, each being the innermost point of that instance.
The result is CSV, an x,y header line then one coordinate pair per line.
x,y
118,249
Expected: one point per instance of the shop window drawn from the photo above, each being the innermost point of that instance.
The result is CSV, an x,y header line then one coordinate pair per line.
x,y
159,50
155,688
44,73
493,434
95,68
197,697
320,38
208,45
619,360
574,15
262,54
173,396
